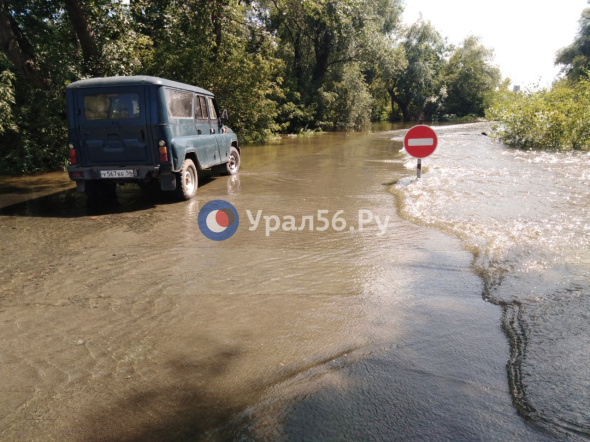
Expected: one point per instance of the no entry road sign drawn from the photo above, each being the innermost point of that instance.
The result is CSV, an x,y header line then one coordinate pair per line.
x,y
420,141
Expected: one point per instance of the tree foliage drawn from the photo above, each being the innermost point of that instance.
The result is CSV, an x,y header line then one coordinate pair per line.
x,y
6,102
556,118
575,58
321,42
275,65
223,47
470,78
423,49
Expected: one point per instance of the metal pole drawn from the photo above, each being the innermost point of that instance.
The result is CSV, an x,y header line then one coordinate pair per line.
x,y
419,168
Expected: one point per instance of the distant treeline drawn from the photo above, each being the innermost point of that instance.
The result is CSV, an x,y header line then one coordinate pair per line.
x,y
277,66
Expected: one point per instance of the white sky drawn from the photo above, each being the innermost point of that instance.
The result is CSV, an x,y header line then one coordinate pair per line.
x,y
525,34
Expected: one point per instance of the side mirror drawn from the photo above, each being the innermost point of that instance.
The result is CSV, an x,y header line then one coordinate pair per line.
x,y
222,117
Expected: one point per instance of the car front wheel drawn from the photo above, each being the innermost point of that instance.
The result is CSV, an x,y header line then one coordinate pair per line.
x,y
187,180
233,165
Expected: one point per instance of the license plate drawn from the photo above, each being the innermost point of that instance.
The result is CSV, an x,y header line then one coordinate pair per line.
x,y
125,173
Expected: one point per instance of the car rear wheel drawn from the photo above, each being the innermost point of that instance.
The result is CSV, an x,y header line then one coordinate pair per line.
x,y
187,180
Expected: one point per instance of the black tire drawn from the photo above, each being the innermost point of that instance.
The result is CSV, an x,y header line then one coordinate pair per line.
x,y
233,165
149,186
187,180
100,190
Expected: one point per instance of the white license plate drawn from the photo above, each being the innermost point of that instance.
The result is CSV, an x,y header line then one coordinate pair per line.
x,y
125,173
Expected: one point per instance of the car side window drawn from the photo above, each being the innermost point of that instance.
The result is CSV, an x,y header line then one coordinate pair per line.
x,y
212,111
180,103
198,109
202,105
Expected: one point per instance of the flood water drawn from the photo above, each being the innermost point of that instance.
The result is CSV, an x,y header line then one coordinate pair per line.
x,y
525,216
462,314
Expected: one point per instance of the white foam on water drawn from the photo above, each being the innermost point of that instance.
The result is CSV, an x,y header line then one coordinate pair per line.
x,y
526,217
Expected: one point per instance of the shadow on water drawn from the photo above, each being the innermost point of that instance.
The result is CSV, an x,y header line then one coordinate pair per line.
x,y
354,411
15,188
170,410
72,204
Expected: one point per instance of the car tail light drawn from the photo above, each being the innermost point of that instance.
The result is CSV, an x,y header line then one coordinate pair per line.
x,y
73,156
163,154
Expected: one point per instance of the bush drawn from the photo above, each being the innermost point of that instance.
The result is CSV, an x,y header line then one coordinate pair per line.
x,y
556,119
346,104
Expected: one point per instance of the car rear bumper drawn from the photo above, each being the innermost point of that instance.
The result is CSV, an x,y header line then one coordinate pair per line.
x,y
131,173
123,174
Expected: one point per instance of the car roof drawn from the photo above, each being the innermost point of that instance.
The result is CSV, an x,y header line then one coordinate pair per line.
x,y
137,80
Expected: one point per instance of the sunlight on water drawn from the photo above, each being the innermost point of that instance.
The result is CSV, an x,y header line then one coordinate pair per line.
x,y
525,216
522,212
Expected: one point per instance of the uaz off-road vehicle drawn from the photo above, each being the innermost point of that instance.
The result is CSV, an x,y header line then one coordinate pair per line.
x,y
145,130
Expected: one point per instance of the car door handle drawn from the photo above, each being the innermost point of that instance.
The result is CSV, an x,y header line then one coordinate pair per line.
x,y
199,131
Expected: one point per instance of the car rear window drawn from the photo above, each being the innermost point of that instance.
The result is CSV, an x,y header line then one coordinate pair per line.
x,y
111,106
180,103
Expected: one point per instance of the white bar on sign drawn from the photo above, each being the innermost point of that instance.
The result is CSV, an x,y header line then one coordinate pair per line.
x,y
420,141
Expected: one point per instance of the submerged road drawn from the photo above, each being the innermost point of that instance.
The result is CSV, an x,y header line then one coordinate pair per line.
x,y
124,322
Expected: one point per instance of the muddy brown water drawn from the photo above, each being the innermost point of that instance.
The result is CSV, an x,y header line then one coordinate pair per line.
x,y
123,322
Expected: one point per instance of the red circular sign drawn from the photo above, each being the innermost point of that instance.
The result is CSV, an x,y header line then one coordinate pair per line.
x,y
420,141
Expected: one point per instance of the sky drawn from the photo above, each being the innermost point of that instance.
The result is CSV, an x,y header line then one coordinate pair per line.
x,y
525,34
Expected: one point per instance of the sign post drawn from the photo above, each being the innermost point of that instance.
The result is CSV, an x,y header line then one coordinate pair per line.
x,y
420,142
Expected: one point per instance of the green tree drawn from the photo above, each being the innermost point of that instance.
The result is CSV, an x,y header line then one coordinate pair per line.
x,y
222,46
470,79
316,35
33,52
276,65
347,105
46,45
409,88
19,23
318,40
575,58
389,63
7,102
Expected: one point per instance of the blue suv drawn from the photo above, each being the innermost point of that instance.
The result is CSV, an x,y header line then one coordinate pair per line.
x,y
145,130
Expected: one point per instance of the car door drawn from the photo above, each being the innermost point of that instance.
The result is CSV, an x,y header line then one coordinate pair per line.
x,y
113,125
222,138
209,150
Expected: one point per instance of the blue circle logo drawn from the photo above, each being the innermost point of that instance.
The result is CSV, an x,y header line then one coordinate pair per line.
x,y
218,220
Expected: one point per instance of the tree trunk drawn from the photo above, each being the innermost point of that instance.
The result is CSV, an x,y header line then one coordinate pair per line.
x,y
321,43
401,104
15,45
298,63
83,29
217,22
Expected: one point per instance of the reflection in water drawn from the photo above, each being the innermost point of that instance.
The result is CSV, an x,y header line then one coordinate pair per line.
x,y
128,315
233,185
